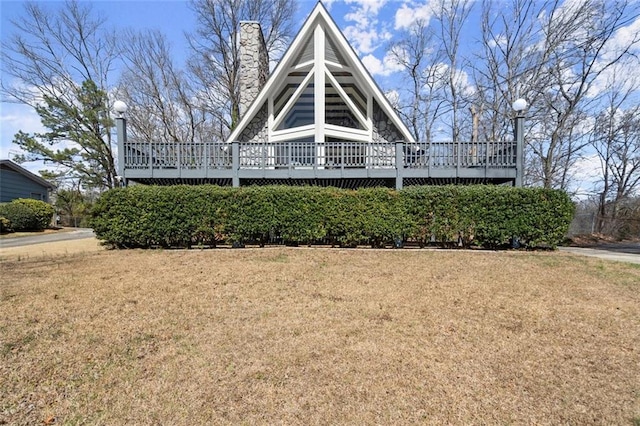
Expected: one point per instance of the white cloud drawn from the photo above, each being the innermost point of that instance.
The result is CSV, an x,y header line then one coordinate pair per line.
x,y
363,40
624,72
410,13
500,40
366,34
586,175
14,118
386,67
439,74
627,36
328,4
393,97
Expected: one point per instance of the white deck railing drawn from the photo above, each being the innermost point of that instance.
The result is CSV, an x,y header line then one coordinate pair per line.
x,y
318,155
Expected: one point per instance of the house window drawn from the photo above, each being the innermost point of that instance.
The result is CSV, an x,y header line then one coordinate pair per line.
x,y
302,112
36,196
337,112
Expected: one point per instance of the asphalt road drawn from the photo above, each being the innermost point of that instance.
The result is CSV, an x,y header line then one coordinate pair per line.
x,y
621,253
76,234
631,248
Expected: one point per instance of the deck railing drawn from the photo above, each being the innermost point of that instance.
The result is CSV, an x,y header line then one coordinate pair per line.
x,y
317,155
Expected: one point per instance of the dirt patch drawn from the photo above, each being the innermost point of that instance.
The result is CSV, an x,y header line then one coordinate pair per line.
x,y
595,240
319,336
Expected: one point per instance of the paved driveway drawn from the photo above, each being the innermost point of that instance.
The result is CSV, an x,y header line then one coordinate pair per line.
x,y
76,234
631,248
618,252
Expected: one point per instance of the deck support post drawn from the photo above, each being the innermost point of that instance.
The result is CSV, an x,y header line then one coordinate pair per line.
x,y
235,164
121,131
519,136
399,164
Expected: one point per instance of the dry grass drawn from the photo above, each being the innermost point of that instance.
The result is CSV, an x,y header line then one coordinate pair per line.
x,y
50,250
316,336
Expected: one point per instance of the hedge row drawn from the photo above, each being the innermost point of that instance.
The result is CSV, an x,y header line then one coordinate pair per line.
x,y
184,216
24,214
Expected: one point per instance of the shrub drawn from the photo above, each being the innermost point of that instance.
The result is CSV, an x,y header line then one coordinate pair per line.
x,y
5,225
43,211
182,216
22,218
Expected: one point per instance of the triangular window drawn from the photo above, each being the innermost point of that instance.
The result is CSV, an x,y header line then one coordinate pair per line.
x,y
302,112
338,111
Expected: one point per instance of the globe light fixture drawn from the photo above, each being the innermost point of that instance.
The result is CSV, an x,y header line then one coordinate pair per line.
x,y
519,105
120,107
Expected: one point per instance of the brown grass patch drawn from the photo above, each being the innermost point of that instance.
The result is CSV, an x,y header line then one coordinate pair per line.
x,y
51,250
317,336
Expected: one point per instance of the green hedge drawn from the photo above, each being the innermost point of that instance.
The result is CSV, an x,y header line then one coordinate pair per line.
x,y
184,216
25,214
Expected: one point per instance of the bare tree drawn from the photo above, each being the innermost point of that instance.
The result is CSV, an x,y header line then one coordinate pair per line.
x,y
451,16
508,67
59,64
164,107
554,54
579,50
616,140
216,57
421,100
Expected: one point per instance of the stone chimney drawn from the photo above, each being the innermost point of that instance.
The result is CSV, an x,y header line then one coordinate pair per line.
x,y
254,63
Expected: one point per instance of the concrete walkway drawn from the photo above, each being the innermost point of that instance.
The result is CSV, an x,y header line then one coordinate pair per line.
x,y
602,253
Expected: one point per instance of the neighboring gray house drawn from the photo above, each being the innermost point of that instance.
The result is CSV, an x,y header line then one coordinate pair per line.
x,y
18,182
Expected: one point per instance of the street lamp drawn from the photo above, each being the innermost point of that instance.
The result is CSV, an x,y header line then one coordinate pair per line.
x,y
121,128
120,107
519,105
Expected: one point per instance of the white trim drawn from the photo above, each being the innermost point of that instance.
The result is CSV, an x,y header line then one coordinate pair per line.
x,y
270,117
337,66
302,66
370,115
347,133
290,55
295,133
319,95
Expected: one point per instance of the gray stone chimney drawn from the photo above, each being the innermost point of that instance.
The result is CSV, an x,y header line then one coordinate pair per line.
x,y
254,63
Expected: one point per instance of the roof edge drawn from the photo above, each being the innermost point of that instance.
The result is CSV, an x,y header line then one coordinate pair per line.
x,y
26,173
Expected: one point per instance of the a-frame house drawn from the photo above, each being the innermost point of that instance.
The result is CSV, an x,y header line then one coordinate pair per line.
x,y
320,92
318,119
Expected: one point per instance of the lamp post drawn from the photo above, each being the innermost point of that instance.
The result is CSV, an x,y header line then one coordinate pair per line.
x,y
121,129
518,129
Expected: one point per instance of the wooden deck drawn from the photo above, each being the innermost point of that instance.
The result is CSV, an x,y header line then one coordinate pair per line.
x,y
343,164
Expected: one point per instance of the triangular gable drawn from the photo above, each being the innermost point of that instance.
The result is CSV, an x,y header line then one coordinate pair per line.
x,y
341,85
